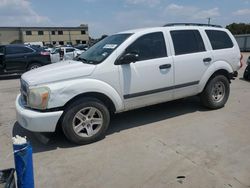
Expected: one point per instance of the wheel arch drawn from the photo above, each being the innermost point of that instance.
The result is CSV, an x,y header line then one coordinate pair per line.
x,y
96,95
218,68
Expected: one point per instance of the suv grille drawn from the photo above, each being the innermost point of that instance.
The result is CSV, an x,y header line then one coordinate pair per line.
x,y
24,92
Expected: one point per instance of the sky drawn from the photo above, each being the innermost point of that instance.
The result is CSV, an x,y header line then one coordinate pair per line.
x,y
111,16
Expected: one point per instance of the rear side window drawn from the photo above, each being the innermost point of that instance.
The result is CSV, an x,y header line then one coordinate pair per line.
x,y
219,39
187,41
17,50
149,46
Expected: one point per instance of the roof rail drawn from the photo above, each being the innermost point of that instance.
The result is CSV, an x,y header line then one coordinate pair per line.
x,y
191,24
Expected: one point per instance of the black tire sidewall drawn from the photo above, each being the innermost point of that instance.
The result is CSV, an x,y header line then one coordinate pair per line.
x,y
70,112
207,93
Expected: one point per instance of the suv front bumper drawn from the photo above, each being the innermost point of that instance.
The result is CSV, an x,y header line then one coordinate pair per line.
x,y
36,121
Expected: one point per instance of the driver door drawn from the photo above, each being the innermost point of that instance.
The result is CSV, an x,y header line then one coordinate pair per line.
x,y
150,79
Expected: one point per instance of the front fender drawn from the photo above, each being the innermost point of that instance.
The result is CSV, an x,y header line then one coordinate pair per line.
x,y
62,92
218,65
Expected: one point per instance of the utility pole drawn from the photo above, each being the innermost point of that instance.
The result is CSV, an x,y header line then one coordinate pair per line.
x,y
209,20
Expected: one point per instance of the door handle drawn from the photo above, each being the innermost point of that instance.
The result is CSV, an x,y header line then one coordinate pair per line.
x,y
165,66
207,60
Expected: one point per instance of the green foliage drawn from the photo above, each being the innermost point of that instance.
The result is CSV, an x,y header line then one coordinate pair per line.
x,y
239,28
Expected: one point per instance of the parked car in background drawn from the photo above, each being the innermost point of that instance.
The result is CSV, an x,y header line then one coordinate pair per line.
x,y
21,58
64,53
82,47
247,70
38,44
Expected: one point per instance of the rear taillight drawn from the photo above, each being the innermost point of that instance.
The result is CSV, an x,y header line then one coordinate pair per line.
x,y
45,53
241,60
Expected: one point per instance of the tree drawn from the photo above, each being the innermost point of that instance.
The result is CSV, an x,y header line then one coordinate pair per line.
x,y
239,28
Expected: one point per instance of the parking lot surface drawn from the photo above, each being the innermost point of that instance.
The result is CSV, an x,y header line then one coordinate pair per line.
x,y
175,144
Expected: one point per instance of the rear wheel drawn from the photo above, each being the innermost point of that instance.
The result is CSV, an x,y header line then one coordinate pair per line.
x,y
34,66
216,92
85,121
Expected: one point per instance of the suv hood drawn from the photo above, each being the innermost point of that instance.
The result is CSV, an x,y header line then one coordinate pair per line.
x,y
63,70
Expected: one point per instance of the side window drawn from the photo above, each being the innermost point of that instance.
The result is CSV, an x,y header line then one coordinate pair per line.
x,y
17,50
187,41
219,39
149,46
70,50
28,50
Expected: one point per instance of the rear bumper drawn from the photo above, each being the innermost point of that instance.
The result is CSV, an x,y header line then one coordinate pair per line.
x,y
36,121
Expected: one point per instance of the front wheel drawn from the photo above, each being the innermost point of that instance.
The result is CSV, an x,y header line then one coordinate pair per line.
x,y
216,92
85,121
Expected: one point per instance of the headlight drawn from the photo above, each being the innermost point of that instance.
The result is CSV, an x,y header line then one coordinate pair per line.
x,y
38,98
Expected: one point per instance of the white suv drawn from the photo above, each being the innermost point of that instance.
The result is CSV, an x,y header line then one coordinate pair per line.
x,y
129,70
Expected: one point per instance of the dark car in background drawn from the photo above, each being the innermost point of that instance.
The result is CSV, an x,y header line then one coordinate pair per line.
x,y
21,58
247,70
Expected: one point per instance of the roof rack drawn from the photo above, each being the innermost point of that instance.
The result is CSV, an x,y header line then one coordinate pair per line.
x,y
191,24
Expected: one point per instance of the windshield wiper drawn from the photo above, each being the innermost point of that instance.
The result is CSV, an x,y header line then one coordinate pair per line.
x,y
82,60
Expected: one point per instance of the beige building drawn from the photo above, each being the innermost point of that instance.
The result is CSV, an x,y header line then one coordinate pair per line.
x,y
47,35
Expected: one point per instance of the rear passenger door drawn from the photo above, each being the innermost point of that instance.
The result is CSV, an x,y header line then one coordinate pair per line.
x,y
191,60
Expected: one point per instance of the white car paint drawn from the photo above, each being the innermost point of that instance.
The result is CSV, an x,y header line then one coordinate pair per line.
x,y
68,79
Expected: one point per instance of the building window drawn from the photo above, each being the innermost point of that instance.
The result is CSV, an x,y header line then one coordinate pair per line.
x,y
83,32
78,41
53,32
84,42
54,42
28,32
61,42
60,32
40,32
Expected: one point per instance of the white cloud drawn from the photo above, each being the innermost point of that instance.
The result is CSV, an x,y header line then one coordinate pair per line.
x,y
242,12
191,12
214,12
150,3
20,13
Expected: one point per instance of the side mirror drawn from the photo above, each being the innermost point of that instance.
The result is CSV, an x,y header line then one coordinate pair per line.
x,y
127,59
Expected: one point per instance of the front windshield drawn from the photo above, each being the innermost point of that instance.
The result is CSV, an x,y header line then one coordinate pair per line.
x,y
101,50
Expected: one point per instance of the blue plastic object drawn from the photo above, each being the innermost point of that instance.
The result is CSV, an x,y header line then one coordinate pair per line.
x,y
24,165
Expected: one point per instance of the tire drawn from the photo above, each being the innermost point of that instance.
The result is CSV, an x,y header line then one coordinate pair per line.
x,y
85,121
246,75
34,66
216,92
